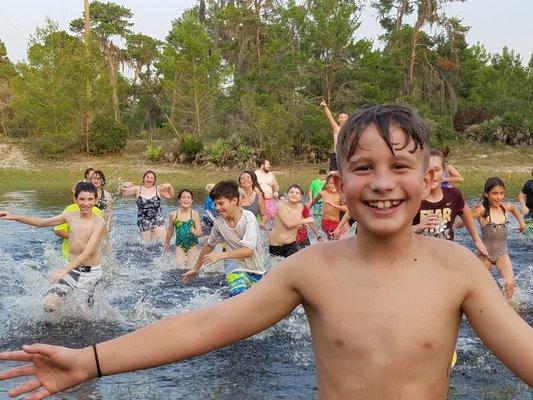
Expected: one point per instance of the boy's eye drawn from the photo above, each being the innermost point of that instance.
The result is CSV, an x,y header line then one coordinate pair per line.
x,y
400,166
362,168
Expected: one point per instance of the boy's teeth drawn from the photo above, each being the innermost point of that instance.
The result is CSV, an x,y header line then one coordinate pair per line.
x,y
384,204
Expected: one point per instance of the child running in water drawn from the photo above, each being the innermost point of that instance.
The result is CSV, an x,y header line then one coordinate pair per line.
x,y
492,216
82,270
438,211
282,239
314,189
384,306
185,221
238,230
332,207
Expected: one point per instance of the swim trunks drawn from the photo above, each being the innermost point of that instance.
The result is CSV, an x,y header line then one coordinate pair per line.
x,y
303,244
285,250
328,226
239,281
82,278
271,207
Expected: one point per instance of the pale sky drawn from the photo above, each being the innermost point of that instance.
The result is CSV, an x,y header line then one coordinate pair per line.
x,y
493,23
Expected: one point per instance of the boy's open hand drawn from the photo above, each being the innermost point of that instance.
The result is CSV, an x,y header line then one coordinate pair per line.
x,y
5,215
52,368
55,275
323,104
189,276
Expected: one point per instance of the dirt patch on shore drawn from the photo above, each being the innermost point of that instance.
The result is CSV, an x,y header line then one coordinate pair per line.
x,y
13,157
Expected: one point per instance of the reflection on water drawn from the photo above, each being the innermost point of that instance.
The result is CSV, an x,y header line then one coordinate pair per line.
x,y
141,286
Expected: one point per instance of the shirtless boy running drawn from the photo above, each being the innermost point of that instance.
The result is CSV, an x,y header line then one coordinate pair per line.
x,y
384,306
83,270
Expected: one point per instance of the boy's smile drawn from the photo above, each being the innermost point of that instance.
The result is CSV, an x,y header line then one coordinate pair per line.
x,y
85,202
384,190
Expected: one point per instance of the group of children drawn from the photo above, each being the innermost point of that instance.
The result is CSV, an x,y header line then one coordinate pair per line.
x,y
384,305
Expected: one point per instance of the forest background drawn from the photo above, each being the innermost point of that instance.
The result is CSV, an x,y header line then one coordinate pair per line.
x,y
239,78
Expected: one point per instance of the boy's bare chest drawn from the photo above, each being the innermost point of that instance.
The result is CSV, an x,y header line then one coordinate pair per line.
x,y
80,231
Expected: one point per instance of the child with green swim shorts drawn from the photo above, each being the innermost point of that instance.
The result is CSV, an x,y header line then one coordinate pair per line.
x,y
239,231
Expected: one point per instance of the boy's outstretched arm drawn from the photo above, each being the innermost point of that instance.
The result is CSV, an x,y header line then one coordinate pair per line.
x,y
172,339
35,221
502,330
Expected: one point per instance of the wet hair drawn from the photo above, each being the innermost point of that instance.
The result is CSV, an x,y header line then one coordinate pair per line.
x,y
87,172
255,183
438,153
297,187
225,189
150,172
382,116
178,197
322,172
85,187
101,175
490,184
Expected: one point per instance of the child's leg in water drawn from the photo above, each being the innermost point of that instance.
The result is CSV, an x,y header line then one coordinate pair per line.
x,y
503,265
192,256
181,258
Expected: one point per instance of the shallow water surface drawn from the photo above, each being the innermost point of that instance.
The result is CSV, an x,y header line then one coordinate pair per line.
x,y
141,286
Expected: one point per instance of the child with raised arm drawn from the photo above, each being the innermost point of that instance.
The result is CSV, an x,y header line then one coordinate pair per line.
x,y
83,270
438,211
238,230
185,221
492,217
384,306
335,127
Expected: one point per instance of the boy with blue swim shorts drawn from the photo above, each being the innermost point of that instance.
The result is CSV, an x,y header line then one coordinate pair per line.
x,y
238,230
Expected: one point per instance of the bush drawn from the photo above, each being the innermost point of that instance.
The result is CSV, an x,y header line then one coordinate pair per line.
x,y
190,146
54,145
219,152
510,129
441,129
107,136
154,153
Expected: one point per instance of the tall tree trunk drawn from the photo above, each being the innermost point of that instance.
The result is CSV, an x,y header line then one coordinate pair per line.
x,y
113,78
257,4
197,114
414,41
402,9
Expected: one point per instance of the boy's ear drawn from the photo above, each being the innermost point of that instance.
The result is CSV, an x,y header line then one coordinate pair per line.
x,y
429,177
337,180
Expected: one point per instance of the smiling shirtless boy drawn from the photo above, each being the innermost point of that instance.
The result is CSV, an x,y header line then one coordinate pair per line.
x,y
384,306
82,270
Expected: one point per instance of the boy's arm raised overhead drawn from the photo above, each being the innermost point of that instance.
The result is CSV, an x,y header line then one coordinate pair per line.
x,y
35,221
502,330
331,120
53,369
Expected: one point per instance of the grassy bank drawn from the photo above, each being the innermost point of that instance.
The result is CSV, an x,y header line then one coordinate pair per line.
x,y
475,162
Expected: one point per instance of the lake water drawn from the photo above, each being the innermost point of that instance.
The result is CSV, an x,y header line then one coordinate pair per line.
x,y
142,286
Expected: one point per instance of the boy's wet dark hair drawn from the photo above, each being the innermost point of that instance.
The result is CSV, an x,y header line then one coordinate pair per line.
x,y
322,172
225,189
490,183
85,187
382,116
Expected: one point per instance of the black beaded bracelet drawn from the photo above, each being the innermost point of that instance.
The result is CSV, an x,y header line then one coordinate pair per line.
x,y
98,370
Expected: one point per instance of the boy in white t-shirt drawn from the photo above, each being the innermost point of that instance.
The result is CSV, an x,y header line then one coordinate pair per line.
x,y
238,229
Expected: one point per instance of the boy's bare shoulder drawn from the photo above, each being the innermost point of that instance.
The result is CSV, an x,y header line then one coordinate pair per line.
x,y
448,256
